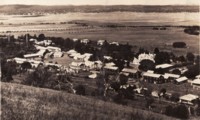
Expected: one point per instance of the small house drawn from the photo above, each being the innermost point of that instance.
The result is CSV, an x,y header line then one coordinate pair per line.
x,y
188,99
196,83
153,78
132,72
181,80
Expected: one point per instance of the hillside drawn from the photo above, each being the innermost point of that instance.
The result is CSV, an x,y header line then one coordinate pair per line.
x,y
25,9
24,103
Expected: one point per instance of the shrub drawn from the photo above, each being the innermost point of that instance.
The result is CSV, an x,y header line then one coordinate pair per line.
x,y
179,45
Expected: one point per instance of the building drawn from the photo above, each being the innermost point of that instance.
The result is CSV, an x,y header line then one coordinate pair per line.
x,y
53,49
85,41
133,73
188,99
111,69
197,77
58,54
164,66
77,66
143,56
35,55
100,42
171,77
153,78
181,80
196,83
114,43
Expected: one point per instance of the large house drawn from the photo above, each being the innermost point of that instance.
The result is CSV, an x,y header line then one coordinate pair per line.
x,y
153,78
144,56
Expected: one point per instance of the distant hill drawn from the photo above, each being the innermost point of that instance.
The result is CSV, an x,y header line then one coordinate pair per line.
x,y
37,9
19,102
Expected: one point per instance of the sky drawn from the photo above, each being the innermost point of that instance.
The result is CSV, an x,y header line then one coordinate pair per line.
x,y
101,2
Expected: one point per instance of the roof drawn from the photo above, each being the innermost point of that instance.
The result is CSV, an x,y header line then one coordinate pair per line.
x,y
164,66
151,75
189,97
71,51
198,76
111,67
128,70
93,76
31,55
107,57
167,75
76,64
196,81
181,79
110,64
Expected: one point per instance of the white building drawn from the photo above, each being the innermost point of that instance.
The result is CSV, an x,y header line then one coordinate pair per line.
x,y
58,54
143,56
85,41
164,66
100,42
196,83
187,99
181,80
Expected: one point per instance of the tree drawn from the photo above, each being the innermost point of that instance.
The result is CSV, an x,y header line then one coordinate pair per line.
x,y
181,112
115,86
26,65
179,45
176,71
80,90
123,79
175,97
169,110
156,51
190,57
41,37
147,65
162,57
192,71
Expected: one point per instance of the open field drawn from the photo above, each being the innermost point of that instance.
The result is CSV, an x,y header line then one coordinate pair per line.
x,y
24,103
139,36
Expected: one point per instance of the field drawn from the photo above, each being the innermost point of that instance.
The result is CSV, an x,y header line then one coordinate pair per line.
x,y
25,103
136,35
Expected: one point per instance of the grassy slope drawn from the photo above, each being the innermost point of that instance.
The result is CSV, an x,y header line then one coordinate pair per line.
x,y
24,103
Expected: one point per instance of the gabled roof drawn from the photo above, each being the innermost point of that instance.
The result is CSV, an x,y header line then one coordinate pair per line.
x,y
167,75
189,97
196,81
181,79
164,66
111,67
147,74
128,70
198,76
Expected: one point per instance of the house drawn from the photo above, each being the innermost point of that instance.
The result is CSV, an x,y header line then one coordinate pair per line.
x,y
77,66
153,78
107,57
132,72
143,56
164,66
93,76
35,55
181,80
197,77
114,43
196,83
75,39
71,51
100,42
20,60
111,69
53,49
170,77
85,41
58,54
188,99
110,64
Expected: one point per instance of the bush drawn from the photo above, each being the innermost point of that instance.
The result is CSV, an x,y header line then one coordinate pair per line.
x,y
80,90
179,45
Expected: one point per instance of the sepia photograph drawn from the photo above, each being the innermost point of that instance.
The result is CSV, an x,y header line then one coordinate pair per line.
x,y
100,59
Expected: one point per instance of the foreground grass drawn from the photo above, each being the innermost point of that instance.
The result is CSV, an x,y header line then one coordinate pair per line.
x,y
29,103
